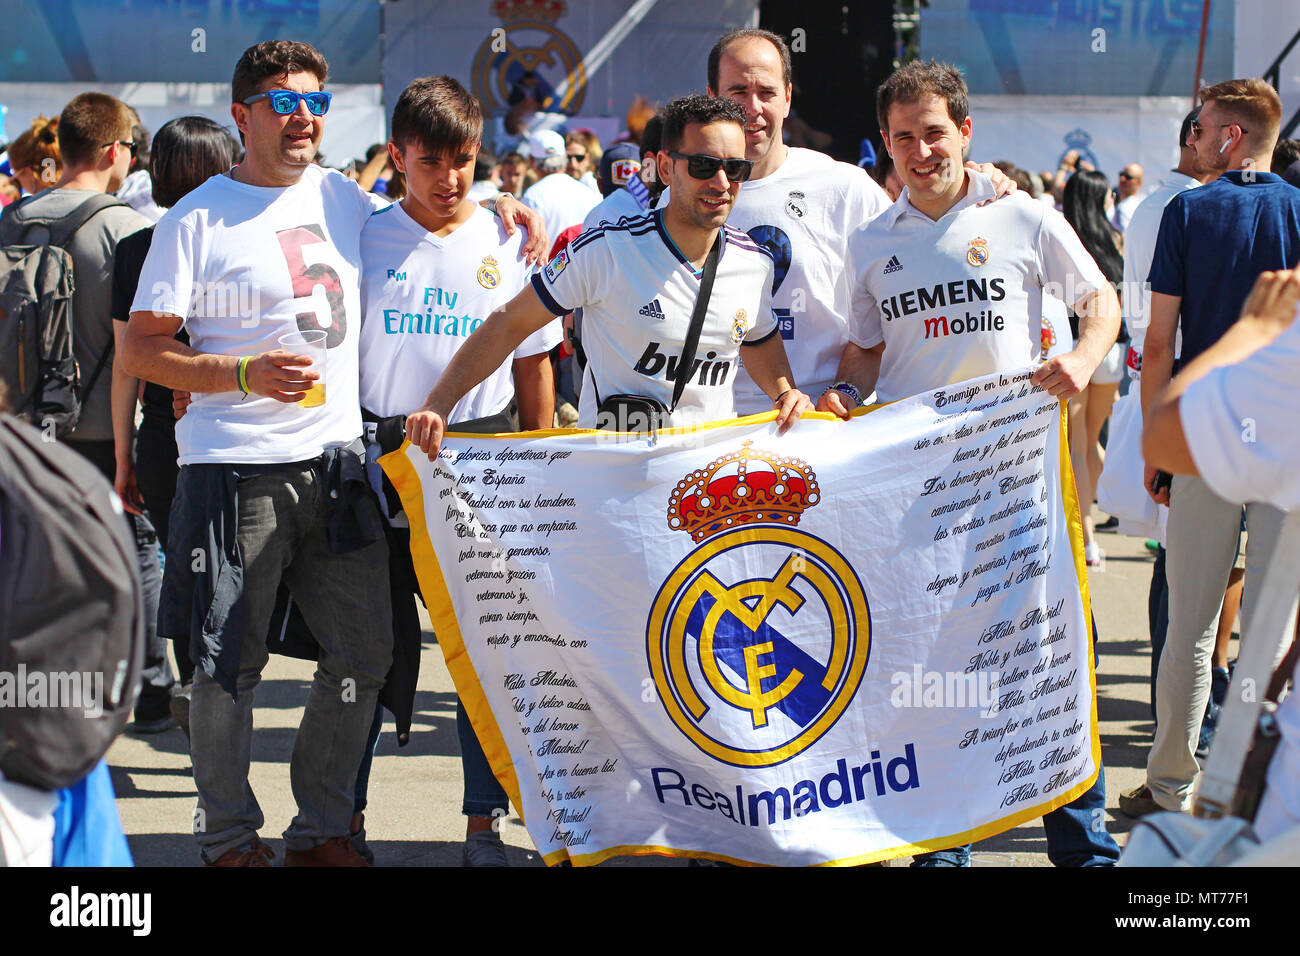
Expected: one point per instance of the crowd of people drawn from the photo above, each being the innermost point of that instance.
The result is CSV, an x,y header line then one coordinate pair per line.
x,y
239,414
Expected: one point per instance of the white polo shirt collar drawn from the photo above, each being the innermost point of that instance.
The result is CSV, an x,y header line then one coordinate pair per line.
x,y
979,189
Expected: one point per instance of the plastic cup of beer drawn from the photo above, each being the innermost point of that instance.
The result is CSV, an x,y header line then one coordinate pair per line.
x,y
312,343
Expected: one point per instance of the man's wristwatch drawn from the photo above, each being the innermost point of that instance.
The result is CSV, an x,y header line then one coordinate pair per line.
x,y
849,390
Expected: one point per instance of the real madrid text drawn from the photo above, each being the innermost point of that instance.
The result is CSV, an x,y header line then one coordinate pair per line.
x,y
838,787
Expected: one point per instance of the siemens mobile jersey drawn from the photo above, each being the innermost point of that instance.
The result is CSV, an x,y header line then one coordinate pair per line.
x,y
637,292
803,214
422,296
961,297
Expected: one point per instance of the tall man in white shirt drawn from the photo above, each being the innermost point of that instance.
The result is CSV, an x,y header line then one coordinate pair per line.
x,y
1139,247
946,290
656,260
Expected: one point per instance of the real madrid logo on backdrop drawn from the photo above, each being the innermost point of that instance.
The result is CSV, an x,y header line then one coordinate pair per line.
x,y
528,53
978,253
754,666
489,275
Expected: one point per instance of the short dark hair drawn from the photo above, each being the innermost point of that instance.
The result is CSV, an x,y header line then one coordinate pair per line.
x,y
1286,152
186,152
275,58
438,113
483,165
696,108
88,122
652,136
911,81
719,48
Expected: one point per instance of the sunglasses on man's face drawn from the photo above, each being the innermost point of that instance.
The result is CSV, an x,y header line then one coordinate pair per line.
x,y
702,166
578,157
285,102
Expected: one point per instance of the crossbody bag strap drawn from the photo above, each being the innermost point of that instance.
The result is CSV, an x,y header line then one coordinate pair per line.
x,y
697,321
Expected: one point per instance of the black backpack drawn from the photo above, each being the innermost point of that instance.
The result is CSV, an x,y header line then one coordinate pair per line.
x,y
36,329
71,615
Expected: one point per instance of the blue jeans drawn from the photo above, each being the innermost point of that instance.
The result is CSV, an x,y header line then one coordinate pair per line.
x,y
483,795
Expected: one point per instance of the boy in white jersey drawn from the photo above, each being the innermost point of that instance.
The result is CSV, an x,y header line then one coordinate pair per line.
x,y
433,268
638,283
946,290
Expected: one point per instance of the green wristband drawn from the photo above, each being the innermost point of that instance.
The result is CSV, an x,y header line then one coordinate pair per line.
x,y
242,374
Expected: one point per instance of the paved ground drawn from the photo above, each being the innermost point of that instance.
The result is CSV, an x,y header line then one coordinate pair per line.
x,y
415,793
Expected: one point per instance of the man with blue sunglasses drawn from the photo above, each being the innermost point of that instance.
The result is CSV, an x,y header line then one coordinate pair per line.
x,y
272,481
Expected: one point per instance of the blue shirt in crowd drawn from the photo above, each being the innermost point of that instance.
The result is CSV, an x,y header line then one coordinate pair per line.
x,y
1213,244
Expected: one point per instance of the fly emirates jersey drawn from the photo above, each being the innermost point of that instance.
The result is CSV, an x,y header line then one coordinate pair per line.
x,y
962,297
243,265
423,295
637,292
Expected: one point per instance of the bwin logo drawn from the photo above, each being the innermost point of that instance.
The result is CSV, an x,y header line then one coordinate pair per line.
x,y
77,909
653,362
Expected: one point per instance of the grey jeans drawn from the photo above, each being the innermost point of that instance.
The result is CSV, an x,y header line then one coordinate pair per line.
x,y
345,600
1202,537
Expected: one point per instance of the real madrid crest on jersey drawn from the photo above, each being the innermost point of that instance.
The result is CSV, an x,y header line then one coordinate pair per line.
x,y
489,273
1048,337
796,206
758,639
978,253
739,326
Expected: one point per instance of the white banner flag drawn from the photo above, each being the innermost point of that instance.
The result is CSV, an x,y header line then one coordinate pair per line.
x,y
855,641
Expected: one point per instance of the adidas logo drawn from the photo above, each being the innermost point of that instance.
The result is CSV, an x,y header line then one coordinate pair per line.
x,y
651,310
893,265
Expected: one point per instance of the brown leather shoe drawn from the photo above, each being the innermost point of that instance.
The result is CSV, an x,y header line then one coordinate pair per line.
x,y
254,853
336,852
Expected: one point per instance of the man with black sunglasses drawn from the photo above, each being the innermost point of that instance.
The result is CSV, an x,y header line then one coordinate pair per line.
x,y
638,282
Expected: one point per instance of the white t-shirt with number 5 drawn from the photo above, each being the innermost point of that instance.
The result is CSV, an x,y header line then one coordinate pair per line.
x,y
242,265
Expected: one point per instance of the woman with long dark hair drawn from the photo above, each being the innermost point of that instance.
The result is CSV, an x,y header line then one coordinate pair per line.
x,y
186,152
1087,195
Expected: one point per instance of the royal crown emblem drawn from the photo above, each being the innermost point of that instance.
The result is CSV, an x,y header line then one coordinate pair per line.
x,y
978,253
535,11
741,488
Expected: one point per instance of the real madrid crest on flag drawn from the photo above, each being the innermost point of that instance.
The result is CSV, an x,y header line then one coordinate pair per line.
x,y
739,326
978,253
489,275
758,639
